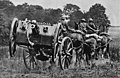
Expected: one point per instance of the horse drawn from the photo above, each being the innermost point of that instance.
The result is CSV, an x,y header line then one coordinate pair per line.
x,y
105,45
90,51
78,39
89,47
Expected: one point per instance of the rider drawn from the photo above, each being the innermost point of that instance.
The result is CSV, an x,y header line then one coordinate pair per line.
x,y
76,35
83,25
65,28
91,29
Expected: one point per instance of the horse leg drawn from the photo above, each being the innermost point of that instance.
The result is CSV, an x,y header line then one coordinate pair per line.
x,y
107,51
93,52
87,58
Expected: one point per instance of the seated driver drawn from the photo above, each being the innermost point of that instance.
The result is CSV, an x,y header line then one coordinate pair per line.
x,y
65,28
92,29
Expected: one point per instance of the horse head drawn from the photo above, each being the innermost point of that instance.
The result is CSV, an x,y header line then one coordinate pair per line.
x,y
104,38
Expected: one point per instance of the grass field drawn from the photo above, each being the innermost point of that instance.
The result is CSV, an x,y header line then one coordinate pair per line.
x,y
14,67
115,44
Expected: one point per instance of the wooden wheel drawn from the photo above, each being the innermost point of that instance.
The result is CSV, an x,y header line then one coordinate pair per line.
x,y
56,51
58,34
12,43
57,42
30,61
65,54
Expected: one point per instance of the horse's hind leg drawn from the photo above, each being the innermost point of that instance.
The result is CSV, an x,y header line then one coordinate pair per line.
x,y
107,51
87,58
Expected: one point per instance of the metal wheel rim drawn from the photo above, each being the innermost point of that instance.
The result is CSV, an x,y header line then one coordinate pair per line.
x,y
65,56
12,43
30,60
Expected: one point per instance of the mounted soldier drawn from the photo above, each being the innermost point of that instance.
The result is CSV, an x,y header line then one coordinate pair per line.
x,y
91,37
76,35
65,28
91,29
83,25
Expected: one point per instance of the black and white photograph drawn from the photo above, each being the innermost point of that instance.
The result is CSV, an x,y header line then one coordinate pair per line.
x,y
59,38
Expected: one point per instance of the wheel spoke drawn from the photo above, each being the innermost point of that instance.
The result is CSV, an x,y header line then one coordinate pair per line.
x,y
70,50
69,46
30,60
66,47
67,62
63,62
30,63
68,59
26,51
63,58
27,56
35,61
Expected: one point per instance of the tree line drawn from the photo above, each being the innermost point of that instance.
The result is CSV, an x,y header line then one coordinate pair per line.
x,y
36,12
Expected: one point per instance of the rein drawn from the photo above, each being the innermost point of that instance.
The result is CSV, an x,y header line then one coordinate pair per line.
x,y
96,48
104,45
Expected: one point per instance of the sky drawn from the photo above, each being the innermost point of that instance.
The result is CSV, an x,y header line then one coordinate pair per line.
x,y
112,6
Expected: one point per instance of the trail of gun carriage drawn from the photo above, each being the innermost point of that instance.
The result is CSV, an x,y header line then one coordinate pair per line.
x,y
57,44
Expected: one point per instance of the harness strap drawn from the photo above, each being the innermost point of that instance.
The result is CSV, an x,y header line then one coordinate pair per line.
x,y
104,45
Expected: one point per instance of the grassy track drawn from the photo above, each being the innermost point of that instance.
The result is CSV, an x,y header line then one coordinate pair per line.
x,y
14,67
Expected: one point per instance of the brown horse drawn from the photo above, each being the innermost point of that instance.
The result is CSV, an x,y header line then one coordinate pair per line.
x,y
105,45
90,49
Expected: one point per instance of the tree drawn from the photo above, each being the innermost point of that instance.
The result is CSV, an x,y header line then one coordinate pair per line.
x,y
1,20
55,14
97,12
70,8
74,12
76,16
37,7
9,11
5,3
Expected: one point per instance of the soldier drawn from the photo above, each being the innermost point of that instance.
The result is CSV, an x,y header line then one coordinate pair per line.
x,y
92,29
91,36
82,25
66,29
76,35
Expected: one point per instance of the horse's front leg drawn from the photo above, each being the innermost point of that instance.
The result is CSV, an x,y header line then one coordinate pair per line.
x,y
105,52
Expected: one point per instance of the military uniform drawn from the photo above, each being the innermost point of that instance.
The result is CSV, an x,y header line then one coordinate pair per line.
x,y
67,31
